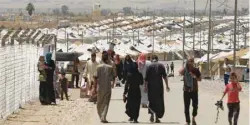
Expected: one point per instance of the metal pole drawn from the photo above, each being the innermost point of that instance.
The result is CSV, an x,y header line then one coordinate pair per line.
x,y
184,40
209,39
245,36
138,37
107,37
235,31
82,37
212,39
200,37
113,39
133,37
194,29
67,42
165,35
230,39
170,35
153,34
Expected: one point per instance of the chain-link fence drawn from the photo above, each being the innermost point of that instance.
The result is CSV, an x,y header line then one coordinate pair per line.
x,y
18,76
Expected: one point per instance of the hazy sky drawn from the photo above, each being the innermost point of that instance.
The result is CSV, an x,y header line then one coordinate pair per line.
x,y
118,4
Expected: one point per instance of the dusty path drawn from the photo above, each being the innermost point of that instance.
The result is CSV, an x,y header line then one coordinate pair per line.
x,y
81,112
75,112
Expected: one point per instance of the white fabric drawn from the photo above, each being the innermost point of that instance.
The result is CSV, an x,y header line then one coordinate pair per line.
x,y
144,95
226,67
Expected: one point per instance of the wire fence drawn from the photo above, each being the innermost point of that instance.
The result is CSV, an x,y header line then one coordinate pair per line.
x,y
18,76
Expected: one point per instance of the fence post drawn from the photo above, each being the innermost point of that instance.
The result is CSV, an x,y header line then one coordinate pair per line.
x,y
5,82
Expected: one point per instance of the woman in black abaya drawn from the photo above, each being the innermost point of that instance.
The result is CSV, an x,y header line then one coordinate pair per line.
x,y
50,79
132,93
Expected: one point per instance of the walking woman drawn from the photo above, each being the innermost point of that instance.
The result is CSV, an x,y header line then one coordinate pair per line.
x,y
50,78
119,68
132,93
233,101
42,78
143,65
227,71
127,67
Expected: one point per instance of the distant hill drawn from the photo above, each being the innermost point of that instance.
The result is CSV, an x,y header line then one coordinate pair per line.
x,y
83,5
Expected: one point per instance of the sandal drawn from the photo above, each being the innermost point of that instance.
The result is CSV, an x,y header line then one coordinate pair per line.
x,y
157,120
104,121
193,122
152,118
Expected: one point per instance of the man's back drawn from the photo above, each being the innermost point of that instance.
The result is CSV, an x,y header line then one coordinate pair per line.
x,y
155,72
105,75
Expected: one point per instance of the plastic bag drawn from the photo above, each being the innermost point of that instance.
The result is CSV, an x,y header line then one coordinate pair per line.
x,y
83,89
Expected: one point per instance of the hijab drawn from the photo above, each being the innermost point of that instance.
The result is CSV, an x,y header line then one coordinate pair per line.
x,y
128,59
117,59
141,61
48,58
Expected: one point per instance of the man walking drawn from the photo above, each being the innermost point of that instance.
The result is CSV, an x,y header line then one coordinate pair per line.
x,y
89,71
172,68
191,76
104,76
154,85
167,69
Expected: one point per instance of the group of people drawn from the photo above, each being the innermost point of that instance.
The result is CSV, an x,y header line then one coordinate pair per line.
x,y
46,68
143,85
171,68
143,79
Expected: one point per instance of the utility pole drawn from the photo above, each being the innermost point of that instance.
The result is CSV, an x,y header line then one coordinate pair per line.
x,y
194,29
231,39
245,37
107,37
209,39
238,32
212,39
82,37
153,49
165,35
67,42
113,39
200,37
184,40
170,34
235,31
138,36
133,36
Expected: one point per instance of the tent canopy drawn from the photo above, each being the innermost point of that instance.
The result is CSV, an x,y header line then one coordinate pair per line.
x,y
61,56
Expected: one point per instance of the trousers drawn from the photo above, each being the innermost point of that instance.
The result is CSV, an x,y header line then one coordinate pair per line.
x,y
188,96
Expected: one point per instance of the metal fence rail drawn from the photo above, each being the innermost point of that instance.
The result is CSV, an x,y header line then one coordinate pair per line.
x,y
18,76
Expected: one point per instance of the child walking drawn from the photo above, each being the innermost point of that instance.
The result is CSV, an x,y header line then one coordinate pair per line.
x,y
64,86
233,102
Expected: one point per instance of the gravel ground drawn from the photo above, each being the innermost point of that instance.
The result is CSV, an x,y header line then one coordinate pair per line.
x,y
80,112
71,112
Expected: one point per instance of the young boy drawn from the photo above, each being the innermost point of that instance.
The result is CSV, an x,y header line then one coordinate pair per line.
x,y
233,102
64,86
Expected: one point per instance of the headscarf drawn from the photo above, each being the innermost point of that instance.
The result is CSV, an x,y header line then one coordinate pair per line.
x,y
129,60
117,59
48,58
154,58
141,61
105,57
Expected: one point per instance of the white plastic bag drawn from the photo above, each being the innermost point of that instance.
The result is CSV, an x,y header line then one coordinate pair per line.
x,y
83,89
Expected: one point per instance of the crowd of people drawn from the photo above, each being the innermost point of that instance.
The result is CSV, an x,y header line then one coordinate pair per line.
x,y
144,80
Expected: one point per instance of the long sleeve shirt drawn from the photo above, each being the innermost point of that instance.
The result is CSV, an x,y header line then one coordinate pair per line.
x,y
90,70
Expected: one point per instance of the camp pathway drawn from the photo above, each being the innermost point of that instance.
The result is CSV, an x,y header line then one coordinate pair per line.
x,y
209,93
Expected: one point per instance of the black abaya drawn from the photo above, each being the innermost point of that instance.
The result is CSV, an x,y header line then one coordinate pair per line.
x,y
43,93
49,82
132,87
155,73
